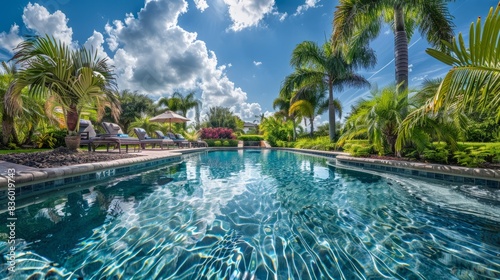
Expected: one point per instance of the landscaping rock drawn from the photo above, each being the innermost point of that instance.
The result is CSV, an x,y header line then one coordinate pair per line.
x,y
61,157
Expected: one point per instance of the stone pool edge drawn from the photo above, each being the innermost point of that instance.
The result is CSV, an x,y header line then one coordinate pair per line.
x,y
60,176
449,173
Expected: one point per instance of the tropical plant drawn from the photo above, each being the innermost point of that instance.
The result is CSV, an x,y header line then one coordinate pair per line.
x,y
356,22
309,103
276,129
282,102
74,79
327,68
475,76
182,104
422,126
217,133
6,79
145,123
222,117
378,118
133,105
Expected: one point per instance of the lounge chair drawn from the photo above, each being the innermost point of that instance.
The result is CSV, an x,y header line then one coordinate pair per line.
x,y
87,133
198,143
171,136
145,139
114,135
194,143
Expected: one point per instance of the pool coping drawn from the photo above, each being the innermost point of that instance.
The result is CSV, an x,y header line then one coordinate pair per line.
x,y
34,180
449,173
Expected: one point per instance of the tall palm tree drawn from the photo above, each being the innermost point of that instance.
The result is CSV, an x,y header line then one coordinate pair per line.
x,y
182,104
474,80
356,22
75,79
326,66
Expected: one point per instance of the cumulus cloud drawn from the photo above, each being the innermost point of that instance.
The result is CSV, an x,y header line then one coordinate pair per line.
x,y
95,43
8,41
257,63
245,14
201,5
38,19
155,56
308,4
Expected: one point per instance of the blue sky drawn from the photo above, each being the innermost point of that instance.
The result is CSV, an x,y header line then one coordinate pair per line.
x,y
233,53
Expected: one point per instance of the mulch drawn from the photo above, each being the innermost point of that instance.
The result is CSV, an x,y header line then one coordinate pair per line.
x,y
60,157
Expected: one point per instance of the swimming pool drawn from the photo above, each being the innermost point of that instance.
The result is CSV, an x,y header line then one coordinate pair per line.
x,y
260,214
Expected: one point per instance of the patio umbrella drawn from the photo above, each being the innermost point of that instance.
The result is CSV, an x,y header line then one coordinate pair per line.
x,y
170,117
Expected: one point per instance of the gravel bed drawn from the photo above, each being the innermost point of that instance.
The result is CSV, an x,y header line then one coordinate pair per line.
x,y
60,157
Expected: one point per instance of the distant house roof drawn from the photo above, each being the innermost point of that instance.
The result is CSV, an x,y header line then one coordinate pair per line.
x,y
249,124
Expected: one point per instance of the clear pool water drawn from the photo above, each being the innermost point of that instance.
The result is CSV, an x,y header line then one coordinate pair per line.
x,y
260,215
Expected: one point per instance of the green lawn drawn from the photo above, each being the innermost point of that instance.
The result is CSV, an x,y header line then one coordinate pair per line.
x,y
5,152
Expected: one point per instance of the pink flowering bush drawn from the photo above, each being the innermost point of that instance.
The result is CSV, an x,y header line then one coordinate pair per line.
x,y
217,133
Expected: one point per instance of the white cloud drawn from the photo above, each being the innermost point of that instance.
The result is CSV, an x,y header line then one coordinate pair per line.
x,y
245,14
155,56
308,4
410,68
230,65
282,16
201,5
8,41
38,19
257,63
95,43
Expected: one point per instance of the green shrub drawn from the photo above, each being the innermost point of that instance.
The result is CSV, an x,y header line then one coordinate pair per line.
x,y
322,143
437,153
11,146
45,140
251,138
219,143
359,150
474,156
285,144
59,136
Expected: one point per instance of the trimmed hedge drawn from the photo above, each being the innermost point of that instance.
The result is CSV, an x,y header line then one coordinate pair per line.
x,y
251,137
221,142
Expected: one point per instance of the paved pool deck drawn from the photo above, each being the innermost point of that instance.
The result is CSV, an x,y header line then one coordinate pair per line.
x,y
24,175
449,173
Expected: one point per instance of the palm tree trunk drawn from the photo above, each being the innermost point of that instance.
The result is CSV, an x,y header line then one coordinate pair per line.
x,y
72,118
311,122
400,49
7,127
331,112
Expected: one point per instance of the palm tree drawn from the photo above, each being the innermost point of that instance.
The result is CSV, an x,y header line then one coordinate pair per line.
x,y
326,66
356,22
182,104
309,103
282,102
378,118
6,79
145,123
474,80
75,79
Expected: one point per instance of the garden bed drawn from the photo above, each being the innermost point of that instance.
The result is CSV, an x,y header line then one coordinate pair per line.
x,y
60,157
